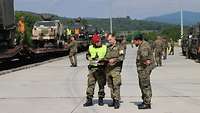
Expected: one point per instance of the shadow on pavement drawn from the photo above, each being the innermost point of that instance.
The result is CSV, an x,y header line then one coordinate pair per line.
x,y
106,101
136,103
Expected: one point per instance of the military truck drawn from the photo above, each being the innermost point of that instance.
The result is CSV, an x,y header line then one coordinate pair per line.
x,y
186,43
191,43
7,24
48,34
195,43
90,30
82,33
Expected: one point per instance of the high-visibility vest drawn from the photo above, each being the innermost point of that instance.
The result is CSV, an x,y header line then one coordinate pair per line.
x,y
97,54
69,32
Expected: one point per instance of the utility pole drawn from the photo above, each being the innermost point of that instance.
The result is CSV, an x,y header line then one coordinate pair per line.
x,y
182,33
111,29
181,23
111,23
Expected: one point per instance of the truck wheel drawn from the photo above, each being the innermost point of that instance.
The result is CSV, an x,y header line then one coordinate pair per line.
x,y
11,39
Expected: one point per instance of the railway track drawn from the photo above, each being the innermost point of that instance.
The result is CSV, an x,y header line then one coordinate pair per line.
x,y
26,63
17,64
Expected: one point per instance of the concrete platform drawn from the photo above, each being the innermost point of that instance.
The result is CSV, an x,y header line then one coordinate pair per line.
x,y
58,88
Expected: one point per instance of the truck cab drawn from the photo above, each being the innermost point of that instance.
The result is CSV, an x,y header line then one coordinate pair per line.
x,y
45,32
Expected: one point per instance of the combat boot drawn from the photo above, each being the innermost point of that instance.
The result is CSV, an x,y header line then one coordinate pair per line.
x,y
144,106
112,104
88,102
116,104
100,102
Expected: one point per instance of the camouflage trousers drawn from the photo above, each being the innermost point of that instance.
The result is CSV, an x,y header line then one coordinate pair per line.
x,y
121,65
93,77
145,85
20,38
23,39
114,82
171,51
165,54
73,58
158,58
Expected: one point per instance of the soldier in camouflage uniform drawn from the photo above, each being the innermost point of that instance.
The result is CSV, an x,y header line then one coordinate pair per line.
x,y
123,43
145,64
104,38
171,52
123,46
165,43
188,45
96,54
114,56
73,51
158,48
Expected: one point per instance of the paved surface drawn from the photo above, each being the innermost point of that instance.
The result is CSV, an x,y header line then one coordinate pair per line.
x,y
58,88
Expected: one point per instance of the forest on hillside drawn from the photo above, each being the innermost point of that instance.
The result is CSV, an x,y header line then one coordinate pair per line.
x,y
125,24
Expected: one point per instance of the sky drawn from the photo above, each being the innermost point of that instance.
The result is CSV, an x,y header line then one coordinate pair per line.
x,y
136,9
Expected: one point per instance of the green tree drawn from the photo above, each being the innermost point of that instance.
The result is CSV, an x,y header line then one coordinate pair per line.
x,y
150,36
172,32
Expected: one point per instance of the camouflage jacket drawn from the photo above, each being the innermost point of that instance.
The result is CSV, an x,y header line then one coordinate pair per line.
x,y
123,43
158,45
171,43
144,53
73,46
116,52
165,43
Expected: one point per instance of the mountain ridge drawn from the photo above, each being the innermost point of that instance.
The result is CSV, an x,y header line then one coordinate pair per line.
x,y
189,18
